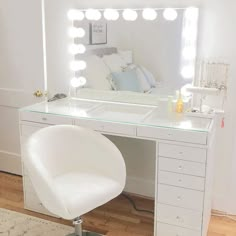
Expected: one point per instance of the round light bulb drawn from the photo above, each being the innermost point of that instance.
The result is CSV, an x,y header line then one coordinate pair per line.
x,y
76,32
92,14
189,53
111,14
149,14
192,13
78,82
130,15
188,72
78,65
77,49
190,33
75,15
170,14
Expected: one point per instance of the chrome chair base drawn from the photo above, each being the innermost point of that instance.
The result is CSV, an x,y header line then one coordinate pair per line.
x,y
78,229
86,233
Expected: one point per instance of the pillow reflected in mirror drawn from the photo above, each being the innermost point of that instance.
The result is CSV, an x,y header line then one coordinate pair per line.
x,y
126,81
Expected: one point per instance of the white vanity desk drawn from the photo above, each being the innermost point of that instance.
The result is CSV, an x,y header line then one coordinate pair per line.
x,y
184,161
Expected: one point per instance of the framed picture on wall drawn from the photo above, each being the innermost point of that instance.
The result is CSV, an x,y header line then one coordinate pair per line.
x,y
98,33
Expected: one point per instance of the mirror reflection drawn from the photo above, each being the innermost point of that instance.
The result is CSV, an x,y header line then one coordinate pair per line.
x,y
149,52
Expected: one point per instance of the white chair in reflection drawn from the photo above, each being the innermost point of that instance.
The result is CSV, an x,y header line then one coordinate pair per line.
x,y
74,170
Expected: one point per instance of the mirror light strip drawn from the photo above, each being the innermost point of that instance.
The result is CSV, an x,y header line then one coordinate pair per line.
x,y
189,42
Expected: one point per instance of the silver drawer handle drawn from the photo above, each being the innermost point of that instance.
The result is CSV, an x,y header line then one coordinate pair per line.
x,y
180,180
181,153
179,198
44,119
180,167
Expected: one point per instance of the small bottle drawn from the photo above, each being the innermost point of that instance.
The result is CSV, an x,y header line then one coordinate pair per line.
x,y
180,104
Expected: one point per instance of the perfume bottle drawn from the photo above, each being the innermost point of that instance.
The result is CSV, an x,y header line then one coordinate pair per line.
x,y
180,104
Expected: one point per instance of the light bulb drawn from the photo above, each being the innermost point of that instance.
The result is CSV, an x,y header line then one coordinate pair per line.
x,y
92,14
77,49
149,14
76,32
78,65
190,33
170,14
78,82
189,53
192,13
188,72
75,15
111,14
130,15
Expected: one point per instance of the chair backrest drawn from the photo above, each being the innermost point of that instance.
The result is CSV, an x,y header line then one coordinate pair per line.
x,y
58,150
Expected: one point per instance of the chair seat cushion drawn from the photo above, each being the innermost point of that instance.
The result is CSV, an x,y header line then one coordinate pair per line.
x,y
83,192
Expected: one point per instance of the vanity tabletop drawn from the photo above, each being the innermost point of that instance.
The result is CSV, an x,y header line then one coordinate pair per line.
x,y
117,112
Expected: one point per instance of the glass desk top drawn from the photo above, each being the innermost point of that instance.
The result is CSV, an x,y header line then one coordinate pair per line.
x,y
145,115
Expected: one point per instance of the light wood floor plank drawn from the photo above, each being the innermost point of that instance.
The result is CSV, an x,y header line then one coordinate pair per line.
x,y
116,218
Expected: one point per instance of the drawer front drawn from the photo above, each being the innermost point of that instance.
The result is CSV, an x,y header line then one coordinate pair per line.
x,y
180,197
169,230
108,127
179,217
45,118
173,135
182,152
31,202
182,167
180,180
28,130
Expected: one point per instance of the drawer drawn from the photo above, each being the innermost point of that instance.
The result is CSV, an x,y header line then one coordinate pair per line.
x,y
180,197
28,130
45,118
183,153
182,167
169,230
180,217
32,202
105,127
180,180
173,135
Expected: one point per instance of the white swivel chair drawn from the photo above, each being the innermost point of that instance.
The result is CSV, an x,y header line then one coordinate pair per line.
x,y
74,170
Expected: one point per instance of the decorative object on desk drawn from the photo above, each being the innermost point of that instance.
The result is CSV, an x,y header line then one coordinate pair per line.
x,y
57,97
13,224
98,33
180,104
212,80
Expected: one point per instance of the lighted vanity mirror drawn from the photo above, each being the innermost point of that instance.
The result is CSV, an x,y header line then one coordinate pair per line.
x,y
142,51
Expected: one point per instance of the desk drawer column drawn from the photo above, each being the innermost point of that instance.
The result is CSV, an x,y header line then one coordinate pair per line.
x,y
181,173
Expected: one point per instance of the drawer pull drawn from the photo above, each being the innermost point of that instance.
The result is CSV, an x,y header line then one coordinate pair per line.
x,y
180,180
180,167
44,119
179,198
181,153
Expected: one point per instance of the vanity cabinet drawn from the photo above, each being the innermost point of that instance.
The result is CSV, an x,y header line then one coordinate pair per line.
x,y
184,167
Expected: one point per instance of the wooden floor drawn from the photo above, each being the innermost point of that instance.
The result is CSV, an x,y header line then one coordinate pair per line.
x,y
116,218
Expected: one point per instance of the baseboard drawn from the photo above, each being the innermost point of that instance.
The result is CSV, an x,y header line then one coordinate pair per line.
x,y
10,162
140,187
